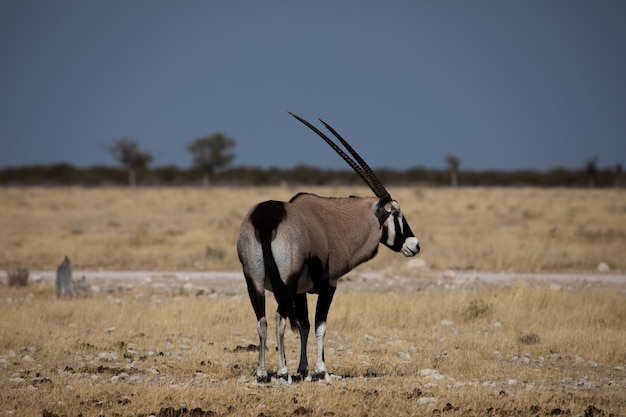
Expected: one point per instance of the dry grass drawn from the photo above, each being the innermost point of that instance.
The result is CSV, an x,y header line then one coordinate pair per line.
x,y
529,350
492,229
137,352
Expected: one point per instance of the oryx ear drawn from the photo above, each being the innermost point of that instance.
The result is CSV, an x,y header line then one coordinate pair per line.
x,y
381,209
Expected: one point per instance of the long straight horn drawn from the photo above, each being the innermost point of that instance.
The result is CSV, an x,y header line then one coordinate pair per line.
x,y
379,192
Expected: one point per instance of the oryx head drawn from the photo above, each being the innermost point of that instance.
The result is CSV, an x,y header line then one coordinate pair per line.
x,y
396,233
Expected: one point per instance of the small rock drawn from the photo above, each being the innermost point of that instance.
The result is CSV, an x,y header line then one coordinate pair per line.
x,y
604,267
404,355
512,381
110,329
426,400
28,358
445,322
430,373
619,368
107,356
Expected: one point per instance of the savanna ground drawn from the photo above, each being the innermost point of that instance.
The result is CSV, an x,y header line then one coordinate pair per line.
x,y
166,332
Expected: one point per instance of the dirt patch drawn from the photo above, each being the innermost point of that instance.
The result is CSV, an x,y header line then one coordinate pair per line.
x,y
232,283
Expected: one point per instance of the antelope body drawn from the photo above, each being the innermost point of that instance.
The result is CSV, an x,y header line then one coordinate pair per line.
x,y
306,245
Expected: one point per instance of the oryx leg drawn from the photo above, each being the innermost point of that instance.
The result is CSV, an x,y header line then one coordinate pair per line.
x,y
304,326
321,313
257,298
281,325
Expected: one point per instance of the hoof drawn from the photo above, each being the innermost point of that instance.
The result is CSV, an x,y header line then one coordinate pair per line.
x,y
261,377
304,375
282,379
321,376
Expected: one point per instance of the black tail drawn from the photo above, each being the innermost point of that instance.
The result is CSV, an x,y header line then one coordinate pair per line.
x,y
266,218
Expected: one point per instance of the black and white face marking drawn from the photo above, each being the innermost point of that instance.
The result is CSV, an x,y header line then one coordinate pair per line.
x,y
397,234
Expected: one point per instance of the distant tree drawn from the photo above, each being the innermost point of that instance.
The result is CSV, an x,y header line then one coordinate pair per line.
x,y
127,153
618,175
454,162
591,168
211,153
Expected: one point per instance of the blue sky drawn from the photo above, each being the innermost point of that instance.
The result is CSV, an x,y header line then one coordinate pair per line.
x,y
501,84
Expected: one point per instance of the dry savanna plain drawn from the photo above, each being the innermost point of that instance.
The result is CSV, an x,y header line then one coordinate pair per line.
x,y
504,314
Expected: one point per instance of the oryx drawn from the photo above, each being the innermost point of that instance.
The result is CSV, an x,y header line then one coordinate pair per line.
x,y
306,245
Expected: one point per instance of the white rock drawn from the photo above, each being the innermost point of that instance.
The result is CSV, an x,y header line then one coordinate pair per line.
x,y
107,356
430,373
512,381
426,400
445,322
604,267
404,355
